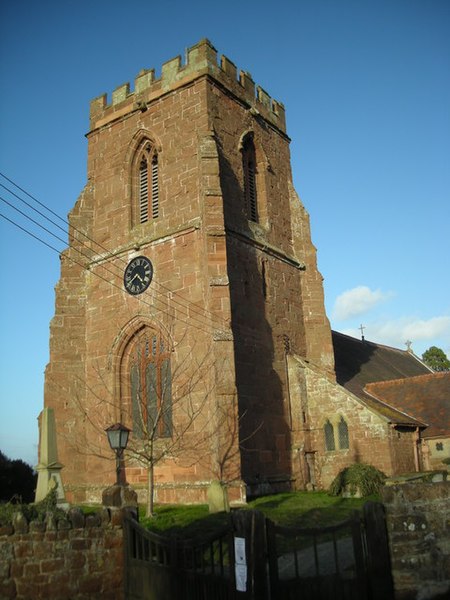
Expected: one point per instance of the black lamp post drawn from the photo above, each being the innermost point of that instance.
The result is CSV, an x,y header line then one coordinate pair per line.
x,y
118,440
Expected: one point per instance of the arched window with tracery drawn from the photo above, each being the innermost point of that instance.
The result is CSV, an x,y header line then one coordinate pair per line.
x,y
250,187
148,184
150,384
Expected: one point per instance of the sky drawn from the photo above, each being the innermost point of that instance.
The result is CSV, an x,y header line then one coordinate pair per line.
x,y
366,86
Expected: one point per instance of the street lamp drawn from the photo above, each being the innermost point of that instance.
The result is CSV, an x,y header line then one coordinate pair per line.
x,y
118,440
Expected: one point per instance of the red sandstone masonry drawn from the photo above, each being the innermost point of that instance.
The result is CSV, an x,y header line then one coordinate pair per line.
x,y
246,279
85,562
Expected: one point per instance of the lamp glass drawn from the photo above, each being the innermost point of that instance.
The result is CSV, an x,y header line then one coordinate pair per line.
x,y
118,436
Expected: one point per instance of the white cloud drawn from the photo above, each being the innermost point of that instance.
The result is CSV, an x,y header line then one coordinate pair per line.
x,y
423,333
413,329
356,301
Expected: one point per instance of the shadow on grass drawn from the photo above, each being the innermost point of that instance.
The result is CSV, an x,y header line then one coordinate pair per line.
x,y
188,522
296,509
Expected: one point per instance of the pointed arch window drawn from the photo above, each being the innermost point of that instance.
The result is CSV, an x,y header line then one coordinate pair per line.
x,y
250,188
329,436
343,434
148,185
150,385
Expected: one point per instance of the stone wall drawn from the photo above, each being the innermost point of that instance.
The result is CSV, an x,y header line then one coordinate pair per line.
x,y
77,557
418,523
317,398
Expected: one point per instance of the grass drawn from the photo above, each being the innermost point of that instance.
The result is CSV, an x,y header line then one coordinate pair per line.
x,y
296,509
308,509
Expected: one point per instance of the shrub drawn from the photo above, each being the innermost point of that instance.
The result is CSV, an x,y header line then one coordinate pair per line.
x,y
33,512
362,478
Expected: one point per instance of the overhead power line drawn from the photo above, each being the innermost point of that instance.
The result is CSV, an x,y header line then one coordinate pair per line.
x,y
187,306
83,266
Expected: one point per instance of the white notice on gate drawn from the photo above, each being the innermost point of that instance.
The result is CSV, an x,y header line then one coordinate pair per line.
x,y
241,577
239,551
240,567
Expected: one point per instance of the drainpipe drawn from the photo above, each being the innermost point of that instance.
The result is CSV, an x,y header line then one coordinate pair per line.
x,y
416,449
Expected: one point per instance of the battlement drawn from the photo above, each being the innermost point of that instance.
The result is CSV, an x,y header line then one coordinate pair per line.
x,y
201,59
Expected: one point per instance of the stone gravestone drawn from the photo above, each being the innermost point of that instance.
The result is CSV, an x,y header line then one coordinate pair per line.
x,y
218,498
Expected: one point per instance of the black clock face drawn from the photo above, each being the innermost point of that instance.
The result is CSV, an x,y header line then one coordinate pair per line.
x,y
138,275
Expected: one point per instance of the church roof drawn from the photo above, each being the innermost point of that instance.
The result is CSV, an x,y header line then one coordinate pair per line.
x,y
361,362
427,397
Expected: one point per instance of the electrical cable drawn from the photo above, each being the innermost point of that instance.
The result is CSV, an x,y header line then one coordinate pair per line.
x,y
185,304
98,275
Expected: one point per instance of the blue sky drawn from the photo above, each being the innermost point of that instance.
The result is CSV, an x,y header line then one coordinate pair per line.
x,y
366,86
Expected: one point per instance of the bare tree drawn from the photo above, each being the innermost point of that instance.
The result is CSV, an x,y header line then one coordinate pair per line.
x,y
171,414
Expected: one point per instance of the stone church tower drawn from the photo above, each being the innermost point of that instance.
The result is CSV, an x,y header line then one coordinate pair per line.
x,y
188,346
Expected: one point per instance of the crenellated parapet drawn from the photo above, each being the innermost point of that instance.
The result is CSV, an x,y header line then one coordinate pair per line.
x,y
201,60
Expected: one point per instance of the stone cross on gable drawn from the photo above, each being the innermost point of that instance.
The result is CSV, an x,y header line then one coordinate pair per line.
x,y
361,328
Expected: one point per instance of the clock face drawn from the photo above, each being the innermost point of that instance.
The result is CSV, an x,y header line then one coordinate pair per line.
x,y
138,275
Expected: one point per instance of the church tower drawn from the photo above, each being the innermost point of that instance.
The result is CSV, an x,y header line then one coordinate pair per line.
x,y
189,278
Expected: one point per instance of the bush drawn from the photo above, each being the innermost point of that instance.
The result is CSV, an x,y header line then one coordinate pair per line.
x,y
32,512
362,478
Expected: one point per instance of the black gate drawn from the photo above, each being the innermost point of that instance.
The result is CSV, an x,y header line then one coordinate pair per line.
x,y
163,568
349,561
312,564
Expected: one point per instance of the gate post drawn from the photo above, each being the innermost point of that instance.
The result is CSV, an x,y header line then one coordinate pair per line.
x,y
379,563
250,525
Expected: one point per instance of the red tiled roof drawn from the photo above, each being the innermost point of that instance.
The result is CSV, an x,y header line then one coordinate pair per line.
x,y
427,397
361,362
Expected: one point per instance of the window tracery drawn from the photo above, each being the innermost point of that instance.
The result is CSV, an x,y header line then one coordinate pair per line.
x,y
150,384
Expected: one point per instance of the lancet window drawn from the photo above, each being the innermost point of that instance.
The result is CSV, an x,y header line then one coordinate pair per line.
x,y
337,425
343,434
250,188
148,185
328,430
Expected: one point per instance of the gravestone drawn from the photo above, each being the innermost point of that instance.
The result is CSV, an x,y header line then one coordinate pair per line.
x,y
218,498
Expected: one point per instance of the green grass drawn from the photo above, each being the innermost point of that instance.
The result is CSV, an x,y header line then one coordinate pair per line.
x,y
297,509
188,521
307,509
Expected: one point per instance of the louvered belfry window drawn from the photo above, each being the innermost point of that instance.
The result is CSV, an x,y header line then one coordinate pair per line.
x,y
151,386
148,186
250,191
155,189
